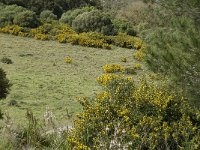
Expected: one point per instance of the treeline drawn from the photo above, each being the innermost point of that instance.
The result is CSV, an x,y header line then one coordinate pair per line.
x,y
57,6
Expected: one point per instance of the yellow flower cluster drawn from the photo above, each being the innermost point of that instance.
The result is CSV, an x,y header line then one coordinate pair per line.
x,y
64,34
42,37
137,66
126,41
139,55
105,79
103,95
77,144
63,29
68,59
112,68
140,112
82,39
13,29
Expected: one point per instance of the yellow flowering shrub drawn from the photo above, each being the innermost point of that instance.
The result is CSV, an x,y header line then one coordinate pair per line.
x,y
137,66
139,55
40,36
61,38
13,29
134,115
68,59
63,29
112,68
106,78
82,39
127,41
65,34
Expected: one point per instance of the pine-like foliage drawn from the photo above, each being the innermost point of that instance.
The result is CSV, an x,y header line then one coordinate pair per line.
x,y
4,84
174,48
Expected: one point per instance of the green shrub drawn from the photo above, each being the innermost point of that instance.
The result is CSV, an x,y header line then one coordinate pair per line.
x,y
1,115
26,19
8,13
94,21
70,15
47,16
124,27
130,70
4,84
57,6
141,115
6,60
15,30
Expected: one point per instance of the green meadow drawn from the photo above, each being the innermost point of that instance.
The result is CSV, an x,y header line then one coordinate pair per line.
x,y
41,79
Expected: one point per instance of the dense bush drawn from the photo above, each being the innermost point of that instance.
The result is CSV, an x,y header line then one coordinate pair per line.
x,y
94,21
112,68
65,34
83,39
26,19
124,27
139,115
8,13
70,15
1,115
6,60
13,14
57,6
4,84
14,29
47,16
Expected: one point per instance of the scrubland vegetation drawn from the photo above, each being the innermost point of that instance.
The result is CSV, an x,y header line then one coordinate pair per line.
x,y
95,74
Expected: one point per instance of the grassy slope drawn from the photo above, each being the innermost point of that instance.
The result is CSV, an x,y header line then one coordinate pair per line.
x,y
41,78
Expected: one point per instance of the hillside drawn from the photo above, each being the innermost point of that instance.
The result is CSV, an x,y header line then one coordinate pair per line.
x,y
41,78
99,74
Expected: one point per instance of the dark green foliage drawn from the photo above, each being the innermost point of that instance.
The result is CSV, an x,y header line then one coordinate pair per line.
x,y
70,15
95,21
6,60
130,71
124,27
8,13
57,6
174,48
47,16
13,103
26,19
13,14
1,115
4,84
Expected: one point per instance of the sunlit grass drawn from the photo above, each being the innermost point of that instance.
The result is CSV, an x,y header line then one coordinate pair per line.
x,y
41,78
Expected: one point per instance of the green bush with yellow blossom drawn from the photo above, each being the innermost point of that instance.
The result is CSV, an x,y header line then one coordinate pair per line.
x,y
65,34
112,68
136,115
13,29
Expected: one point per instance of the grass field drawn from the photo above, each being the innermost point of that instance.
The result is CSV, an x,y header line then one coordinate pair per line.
x,y
40,78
